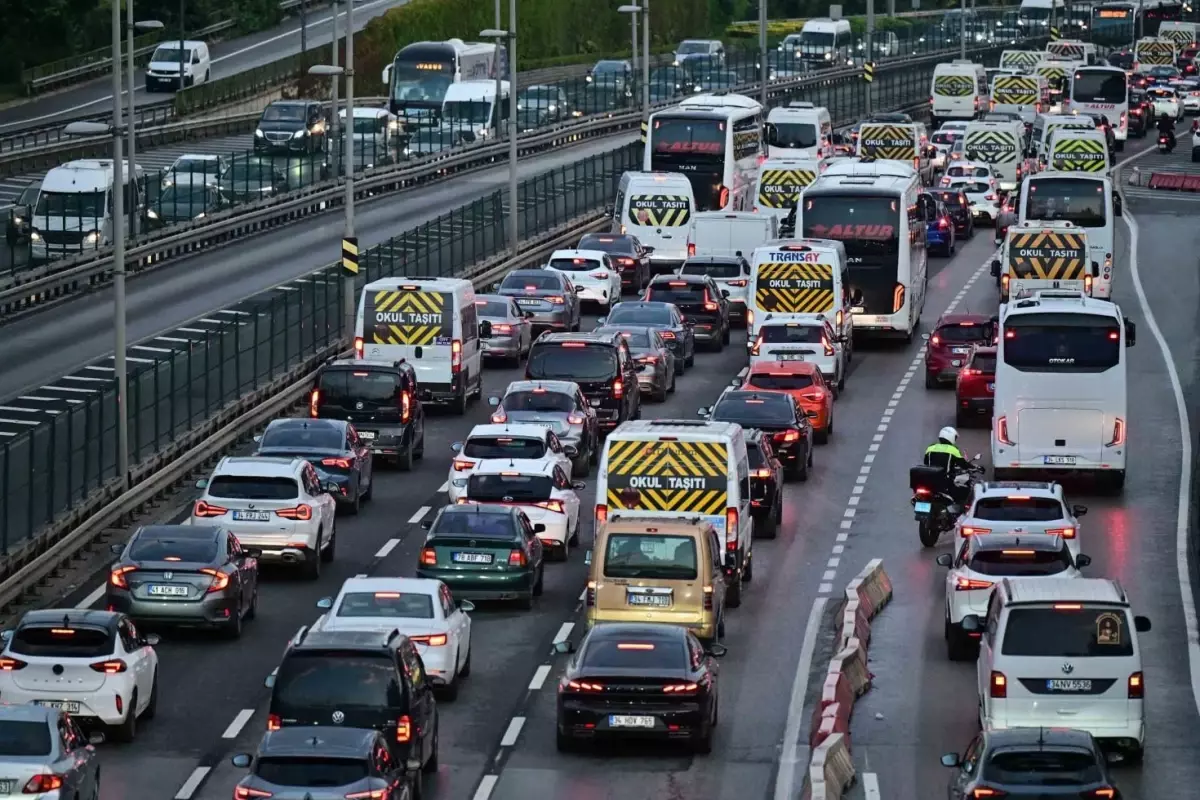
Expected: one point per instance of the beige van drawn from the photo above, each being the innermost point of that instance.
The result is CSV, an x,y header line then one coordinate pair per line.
x,y
657,570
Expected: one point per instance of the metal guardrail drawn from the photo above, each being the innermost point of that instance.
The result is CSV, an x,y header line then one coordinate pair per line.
x,y
147,116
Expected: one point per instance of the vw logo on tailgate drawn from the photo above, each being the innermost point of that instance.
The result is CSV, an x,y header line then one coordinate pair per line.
x,y
338,718
1068,668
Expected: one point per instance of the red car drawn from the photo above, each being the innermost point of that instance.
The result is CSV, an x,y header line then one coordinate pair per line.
x,y
949,346
975,390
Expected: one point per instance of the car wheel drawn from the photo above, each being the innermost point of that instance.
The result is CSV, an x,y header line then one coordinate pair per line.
x,y
252,611
405,460
671,388
127,730
564,743
769,528
703,742
691,359
430,766
680,363
660,395
312,566
726,336
525,602
450,690
959,646
465,670
370,486
355,506
419,451
459,407
733,594
573,541
595,455
152,706
540,586
233,628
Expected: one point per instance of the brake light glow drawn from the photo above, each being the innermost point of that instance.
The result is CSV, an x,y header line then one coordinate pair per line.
x,y
1118,433
762,472
575,418
634,646
998,688
358,347
117,577
556,300
340,463
967,530
552,505
11,664
111,667
970,584
574,344
618,388
219,579
405,406
502,328
943,223
599,275
691,249
1066,533
274,723
428,557
583,686
368,794
738,283
681,688
787,436
1137,688
45,782
708,598
1002,431
463,466
922,492
731,528
404,729
302,512
432,639
898,298
1087,284
601,514
1068,606
456,356
516,558
829,351
314,402
935,340
203,509
648,360
985,792
1105,792
669,335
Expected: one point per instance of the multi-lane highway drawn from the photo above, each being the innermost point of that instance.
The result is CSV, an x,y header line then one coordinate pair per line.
x,y
228,58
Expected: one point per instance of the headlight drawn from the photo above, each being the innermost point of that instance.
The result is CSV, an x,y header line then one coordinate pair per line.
x,y
200,215
300,134
258,133
17,220
92,237
828,56
34,236
152,214
168,183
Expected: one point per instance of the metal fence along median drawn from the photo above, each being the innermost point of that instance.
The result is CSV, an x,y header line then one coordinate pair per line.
x,y
58,443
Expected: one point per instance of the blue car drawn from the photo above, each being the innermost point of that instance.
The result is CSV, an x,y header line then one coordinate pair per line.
x,y
939,230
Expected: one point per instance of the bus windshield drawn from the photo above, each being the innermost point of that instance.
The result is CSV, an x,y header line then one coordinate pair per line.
x,y
696,148
868,225
1053,342
1101,86
1080,201
421,81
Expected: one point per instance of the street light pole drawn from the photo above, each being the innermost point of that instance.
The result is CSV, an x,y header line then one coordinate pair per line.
x,y
962,22
762,49
336,58
633,51
118,237
646,59
350,301
870,56
499,76
129,126
513,215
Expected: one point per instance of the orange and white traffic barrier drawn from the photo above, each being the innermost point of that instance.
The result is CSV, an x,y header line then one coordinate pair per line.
x,y
853,624
831,714
872,588
851,661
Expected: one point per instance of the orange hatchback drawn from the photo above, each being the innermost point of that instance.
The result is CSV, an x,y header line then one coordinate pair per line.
x,y
804,382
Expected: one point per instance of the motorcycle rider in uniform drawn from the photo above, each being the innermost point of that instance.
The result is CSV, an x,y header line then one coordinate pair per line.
x,y
1166,127
944,454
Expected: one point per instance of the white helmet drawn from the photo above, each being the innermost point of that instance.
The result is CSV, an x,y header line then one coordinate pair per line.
x,y
949,434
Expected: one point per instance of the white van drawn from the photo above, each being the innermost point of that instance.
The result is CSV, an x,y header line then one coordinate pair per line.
x,y
799,130
959,91
1074,150
470,109
163,70
826,44
657,208
730,233
1062,652
1000,145
432,324
780,182
793,279
672,468
74,210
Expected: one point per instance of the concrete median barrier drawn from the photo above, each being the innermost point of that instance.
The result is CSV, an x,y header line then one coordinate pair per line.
x,y
872,588
833,708
851,661
853,624
831,771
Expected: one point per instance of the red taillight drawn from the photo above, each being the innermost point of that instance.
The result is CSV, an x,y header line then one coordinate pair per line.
x,y
552,505
599,275
245,793
998,685
117,577
757,344
575,418
516,558
358,347
710,306
648,360
582,686
456,356
739,283
601,514
499,416
404,729
921,491
761,473
369,794
508,328
984,791
898,298
340,463
970,584
667,335
691,249
943,223
1002,431
990,197
8,664
681,688
431,639
1087,284
556,300
787,436
967,530
829,351
428,557
1105,792
731,528
1066,533
1118,433
1137,687
463,466
219,579
302,512
204,509
618,388
274,723
625,262
935,340
111,667
314,403
405,407
46,782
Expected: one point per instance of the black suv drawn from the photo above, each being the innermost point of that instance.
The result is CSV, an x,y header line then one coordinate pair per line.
x,y
324,757
766,484
600,363
292,126
959,208
380,398
359,679
701,301
1141,113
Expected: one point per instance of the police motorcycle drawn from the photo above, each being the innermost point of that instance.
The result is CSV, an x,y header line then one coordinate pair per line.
x,y
934,506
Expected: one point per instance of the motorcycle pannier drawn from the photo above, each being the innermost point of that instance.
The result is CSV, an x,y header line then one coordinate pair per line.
x,y
934,479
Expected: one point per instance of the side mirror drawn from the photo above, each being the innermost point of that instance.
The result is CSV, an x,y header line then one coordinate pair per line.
x,y
456,446
257,438
717,650
724,293
325,603
116,548
270,681
1118,204
562,648
735,382
703,411
944,560
578,486
971,623
1130,333
951,760
1078,510
925,336
466,606
1142,624
608,211
485,329
648,250
241,760
539,528
1082,561
571,450
96,737
427,525
152,639
996,267
330,487
601,322
977,456
494,402
587,558
202,484
252,552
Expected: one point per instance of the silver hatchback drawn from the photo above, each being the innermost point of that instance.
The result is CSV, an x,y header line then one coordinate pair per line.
x,y
324,763
44,752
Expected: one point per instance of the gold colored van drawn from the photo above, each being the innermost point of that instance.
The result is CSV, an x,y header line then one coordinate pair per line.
x,y
658,570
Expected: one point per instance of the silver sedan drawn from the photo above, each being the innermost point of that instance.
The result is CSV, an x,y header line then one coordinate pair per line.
x,y
654,357
46,754
512,331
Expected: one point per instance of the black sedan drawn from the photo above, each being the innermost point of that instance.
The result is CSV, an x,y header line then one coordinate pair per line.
x,y
17,229
628,253
703,303
667,319
330,445
658,677
184,203
775,414
766,484
1022,762
959,208
1141,114
186,575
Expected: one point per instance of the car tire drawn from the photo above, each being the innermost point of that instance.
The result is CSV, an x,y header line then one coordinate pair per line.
x,y
564,743
1114,482
671,388
931,382
404,461
690,361
961,420
11,237
312,566
1120,145
748,571
573,539
733,593
370,486
465,670
355,506
580,466
680,365
329,552
152,706
233,629
540,585
659,396
450,690
1133,755
430,766
703,743
959,646
726,336
252,611
595,455
525,602
126,732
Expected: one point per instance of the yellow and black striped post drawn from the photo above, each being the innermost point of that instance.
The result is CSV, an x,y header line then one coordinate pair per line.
x,y
645,130
869,71
1055,35
350,255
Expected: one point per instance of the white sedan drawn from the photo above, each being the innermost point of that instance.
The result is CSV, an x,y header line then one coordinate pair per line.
x,y
985,203
542,490
504,442
423,610
1165,100
983,561
592,272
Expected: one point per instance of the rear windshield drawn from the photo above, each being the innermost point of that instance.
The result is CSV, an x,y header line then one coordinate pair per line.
x,y
588,363
491,308
792,334
1068,632
510,488
685,294
155,548
61,642
496,526
952,198
343,384
780,380
310,771
538,401
612,654
528,282
1016,562
1042,767
637,338
19,738
628,314
648,556
984,363
751,412
717,269
609,244
575,264
963,333
386,604
1009,509
334,679
968,172
244,487
973,188
504,447
945,137
304,435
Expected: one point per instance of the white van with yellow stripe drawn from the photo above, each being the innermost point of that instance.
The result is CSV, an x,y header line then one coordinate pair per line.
x,y
682,469
904,143
780,182
1073,150
1026,95
793,279
657,208
1001,146
1041,255
959,91
432,324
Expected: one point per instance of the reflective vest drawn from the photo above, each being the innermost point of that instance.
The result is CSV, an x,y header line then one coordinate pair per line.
x,y
941,447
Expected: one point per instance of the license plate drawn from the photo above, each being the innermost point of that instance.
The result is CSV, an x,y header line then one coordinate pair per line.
x,y
991,387
922,508
8,785
1063,460
789,356
595,403
472,558
69,706
366,435
169,591
959,350
857,309
660,600
624,721
528,302
252,516
1058,685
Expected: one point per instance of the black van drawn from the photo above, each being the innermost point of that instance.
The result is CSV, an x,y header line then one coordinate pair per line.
x,y
359,679
380,398
600,363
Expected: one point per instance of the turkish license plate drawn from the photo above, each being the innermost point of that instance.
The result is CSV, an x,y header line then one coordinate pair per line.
x,y
959,350
922,508
626,721
991,387
789,356
69,706
857,309
472,558
8,785
657,600
1059,685
252,516
595,403
168,591
366,435
1059,460
528,301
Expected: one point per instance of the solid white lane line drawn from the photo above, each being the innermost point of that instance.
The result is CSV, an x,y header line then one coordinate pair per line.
x,y
583,595
514,730
486,786
442,488
192,783
92,597
539,677
1185,468
564,630
824,588
785,778
387,548
871,786
238,723
419,515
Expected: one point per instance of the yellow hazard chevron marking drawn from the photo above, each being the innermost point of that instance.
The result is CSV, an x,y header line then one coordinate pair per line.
x,y
794,288
1177,35
1155,53
705,502
1048,256
669,476
645,129
413,302
1071,52
991,147
420,331
953,85
888,141
1079,155
1051,72
660,210
1021,59
779,188
1016,90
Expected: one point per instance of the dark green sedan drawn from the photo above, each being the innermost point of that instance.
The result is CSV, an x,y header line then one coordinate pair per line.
x,y
484,552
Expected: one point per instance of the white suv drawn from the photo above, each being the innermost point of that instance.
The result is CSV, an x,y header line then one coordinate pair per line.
x,y
982,561
1020,507
593,273
812,339
277,505
1062,652
91,664
544,491
504,442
